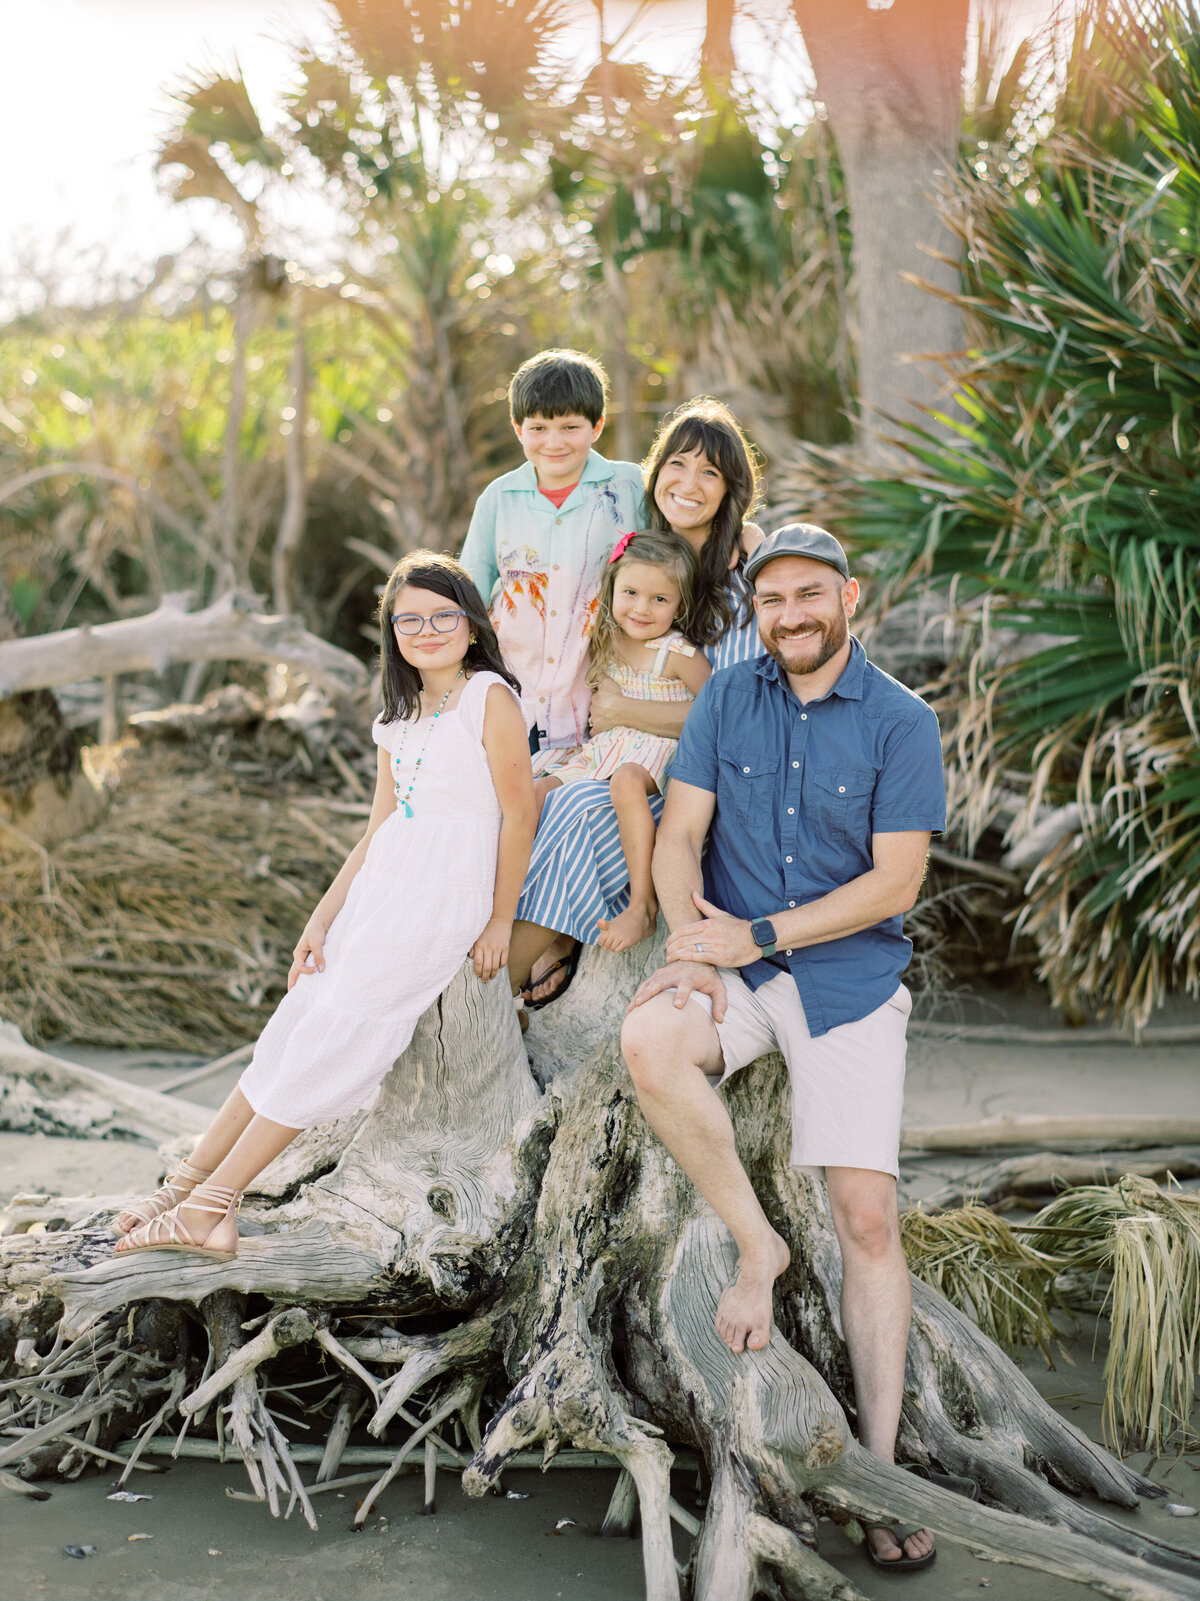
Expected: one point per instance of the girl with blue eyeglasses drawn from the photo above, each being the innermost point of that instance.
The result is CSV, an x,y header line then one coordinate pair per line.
x,y
433,882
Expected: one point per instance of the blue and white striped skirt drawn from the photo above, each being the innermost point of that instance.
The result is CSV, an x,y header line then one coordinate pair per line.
x,y
577,873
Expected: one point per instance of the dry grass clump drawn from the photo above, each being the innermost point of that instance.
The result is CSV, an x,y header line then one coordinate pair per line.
x,y
981,1266
171,923
1133,1247
1142,1243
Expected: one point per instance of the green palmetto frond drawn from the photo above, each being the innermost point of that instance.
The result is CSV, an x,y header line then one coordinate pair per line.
x,y
192,172
218,110
1059,512
218,149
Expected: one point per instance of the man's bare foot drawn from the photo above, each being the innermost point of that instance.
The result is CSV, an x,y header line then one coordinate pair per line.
x,y
744,1311
887,1549
542,983
637,922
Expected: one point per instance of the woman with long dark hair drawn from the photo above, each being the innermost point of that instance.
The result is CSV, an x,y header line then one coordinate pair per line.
x,y
702,482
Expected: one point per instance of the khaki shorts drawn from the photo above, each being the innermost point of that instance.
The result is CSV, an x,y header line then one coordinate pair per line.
x,y
847,1086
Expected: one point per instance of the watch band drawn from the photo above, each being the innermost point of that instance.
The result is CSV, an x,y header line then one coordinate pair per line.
x,y
762,932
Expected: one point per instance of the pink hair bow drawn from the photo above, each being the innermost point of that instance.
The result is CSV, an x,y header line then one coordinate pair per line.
x,y
621,547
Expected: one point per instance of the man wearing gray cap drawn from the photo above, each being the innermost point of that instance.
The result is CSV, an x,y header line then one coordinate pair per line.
x,y
816,781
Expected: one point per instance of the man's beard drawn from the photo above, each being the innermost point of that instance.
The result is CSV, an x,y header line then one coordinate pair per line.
x,y
831,639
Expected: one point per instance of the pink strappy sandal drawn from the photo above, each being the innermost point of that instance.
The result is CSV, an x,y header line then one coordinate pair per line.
x,y
177,1187
168,1232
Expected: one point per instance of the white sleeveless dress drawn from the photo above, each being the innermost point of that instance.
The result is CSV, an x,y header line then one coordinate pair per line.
x,y
416,906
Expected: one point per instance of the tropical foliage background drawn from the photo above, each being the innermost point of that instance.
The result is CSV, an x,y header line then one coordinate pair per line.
x,y
1055,507
275,426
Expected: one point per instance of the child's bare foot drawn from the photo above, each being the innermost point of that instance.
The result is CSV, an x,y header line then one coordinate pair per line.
x,y
744,1311
637,922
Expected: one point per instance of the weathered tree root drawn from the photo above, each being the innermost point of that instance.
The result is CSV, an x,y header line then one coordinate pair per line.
x,y
584,1273
784,1428
113,1380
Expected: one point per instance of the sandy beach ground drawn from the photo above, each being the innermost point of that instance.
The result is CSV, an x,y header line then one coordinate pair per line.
x,y
206,1545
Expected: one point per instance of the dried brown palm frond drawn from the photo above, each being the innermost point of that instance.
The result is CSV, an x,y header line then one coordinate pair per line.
x,y
978,1263
947,928
171,923
1098,932
1140,1245
1130,1248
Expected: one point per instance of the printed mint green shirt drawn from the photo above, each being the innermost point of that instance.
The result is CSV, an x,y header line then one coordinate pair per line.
x,y
539,569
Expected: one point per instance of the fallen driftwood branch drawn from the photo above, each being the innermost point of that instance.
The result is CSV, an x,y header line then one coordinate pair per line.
x,y
1024,1177
199,1075
1087,1132
1004,1034
30,1212
228,630
43,1093
231,709
987,871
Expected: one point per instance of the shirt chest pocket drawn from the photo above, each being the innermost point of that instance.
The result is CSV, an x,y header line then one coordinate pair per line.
x,y
841,803
746,786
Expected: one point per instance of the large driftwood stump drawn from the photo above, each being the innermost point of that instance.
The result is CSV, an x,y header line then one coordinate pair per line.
x,y
500,1258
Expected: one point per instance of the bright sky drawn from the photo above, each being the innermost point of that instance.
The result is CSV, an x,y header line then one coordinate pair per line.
x,y
84,97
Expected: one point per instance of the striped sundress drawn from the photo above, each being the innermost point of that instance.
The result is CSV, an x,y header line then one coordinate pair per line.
x,y
577,872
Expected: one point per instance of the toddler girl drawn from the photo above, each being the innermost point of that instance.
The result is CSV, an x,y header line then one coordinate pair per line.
x,y
639,641
436,875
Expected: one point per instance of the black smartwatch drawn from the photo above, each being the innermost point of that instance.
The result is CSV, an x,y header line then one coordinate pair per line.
x,y
762,932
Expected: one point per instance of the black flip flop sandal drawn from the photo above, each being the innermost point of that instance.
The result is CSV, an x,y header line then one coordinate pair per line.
x,y
565,964
899,1532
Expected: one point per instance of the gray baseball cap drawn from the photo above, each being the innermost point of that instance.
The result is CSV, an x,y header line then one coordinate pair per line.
x,y
798,539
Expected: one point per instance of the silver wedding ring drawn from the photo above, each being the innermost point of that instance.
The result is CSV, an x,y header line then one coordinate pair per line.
x,y
699,947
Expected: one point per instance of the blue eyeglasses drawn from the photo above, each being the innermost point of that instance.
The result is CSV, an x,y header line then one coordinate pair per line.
x,y
442,622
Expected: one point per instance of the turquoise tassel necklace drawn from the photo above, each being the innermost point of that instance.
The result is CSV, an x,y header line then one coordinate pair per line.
x,y
402,800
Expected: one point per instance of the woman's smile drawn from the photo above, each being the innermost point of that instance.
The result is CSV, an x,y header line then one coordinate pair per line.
x,y
689,491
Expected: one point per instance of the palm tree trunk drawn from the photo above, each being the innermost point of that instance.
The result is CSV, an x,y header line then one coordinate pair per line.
x,y
716,53
891,81
622,403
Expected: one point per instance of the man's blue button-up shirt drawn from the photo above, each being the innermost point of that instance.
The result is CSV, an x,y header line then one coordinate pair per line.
x,y
800,790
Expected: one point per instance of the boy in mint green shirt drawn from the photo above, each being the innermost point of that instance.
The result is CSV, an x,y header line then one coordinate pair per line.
x,y
540,538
